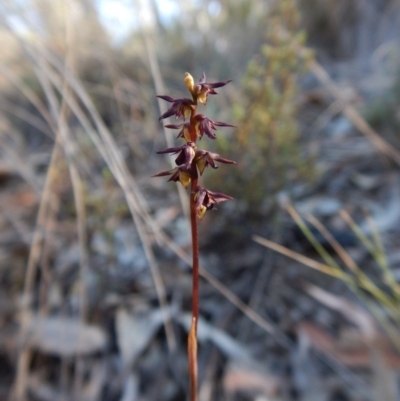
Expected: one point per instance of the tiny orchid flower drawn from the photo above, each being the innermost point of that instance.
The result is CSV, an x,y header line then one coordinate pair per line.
x,y
180,107
204,159
177,174
186,155
206,200
203,88
185,131
205,125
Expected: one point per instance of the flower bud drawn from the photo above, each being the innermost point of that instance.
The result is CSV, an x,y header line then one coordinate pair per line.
x,y
189,82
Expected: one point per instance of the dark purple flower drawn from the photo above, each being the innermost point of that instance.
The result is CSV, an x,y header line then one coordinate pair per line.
x,y
186,154
204,159
184,132
206,200
179,108
204,125
177,174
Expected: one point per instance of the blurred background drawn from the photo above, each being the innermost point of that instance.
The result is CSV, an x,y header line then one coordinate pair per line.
x,y
300,295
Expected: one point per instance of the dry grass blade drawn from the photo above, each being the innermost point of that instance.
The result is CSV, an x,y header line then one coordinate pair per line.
x,y
159,85
352,114
19,388
136,211
73,170
59,116
361,280
369,245
346,258
323,268
46,77
108,149
310,236
360,277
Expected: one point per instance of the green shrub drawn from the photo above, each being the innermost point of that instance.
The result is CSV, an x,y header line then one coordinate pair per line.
x,y
266,113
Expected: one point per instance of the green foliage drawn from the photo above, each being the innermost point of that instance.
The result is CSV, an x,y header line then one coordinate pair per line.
x,y
267,135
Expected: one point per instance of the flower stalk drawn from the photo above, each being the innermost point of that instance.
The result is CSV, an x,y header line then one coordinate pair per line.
x,y
191,163
192,339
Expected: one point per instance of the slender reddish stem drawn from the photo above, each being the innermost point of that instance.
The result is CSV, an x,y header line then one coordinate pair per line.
x,y
195,244
192,340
